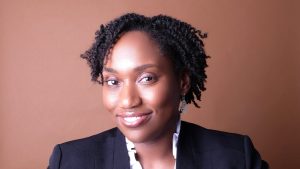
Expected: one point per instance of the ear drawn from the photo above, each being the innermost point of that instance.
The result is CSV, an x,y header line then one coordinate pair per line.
x,y
185,83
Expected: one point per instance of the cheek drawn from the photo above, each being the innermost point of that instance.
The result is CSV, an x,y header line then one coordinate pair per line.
x,y
148,95
159,96
110,100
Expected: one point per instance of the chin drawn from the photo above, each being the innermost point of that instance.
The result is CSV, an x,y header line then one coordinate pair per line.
x,y
135,135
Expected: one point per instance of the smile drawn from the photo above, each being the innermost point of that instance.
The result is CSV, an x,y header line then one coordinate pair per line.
x,y
133,120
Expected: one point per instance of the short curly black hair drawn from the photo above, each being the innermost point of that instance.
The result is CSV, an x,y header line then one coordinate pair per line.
x,y
177,40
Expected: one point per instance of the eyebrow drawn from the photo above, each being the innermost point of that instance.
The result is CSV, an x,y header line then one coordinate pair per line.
x,y
111,70
139,68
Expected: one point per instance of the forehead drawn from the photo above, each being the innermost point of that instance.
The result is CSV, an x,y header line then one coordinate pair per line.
x,y
133,49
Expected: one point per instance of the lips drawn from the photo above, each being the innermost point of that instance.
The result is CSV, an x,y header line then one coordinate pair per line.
x,y
133,119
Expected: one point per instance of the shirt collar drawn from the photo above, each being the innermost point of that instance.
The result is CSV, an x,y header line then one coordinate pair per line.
x,y
134,164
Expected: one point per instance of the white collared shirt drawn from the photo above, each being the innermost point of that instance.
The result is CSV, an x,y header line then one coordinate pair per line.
x,y
134,164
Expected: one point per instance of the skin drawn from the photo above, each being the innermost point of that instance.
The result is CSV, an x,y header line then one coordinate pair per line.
x,y
140,82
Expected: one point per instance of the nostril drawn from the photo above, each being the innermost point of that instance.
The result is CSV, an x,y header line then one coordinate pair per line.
x,y
130,97
130,102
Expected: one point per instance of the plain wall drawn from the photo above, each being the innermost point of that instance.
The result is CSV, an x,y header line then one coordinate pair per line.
x,y
46,96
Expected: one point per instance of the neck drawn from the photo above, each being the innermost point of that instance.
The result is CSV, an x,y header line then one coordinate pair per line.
x,y
155,149
157,152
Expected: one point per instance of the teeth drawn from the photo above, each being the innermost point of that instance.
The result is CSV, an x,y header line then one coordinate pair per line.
x,y
131,119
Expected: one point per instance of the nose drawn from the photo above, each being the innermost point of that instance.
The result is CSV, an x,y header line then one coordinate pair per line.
x,y
130,97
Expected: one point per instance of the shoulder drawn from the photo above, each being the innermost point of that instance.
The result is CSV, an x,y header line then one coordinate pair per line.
x,y
84,152
213,139
221,148
91,141
89,144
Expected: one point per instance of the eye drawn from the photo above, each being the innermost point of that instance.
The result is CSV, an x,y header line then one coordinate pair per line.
x,y
112,82
147,79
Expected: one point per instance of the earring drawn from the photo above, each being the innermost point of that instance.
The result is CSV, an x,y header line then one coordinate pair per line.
x,y
182,105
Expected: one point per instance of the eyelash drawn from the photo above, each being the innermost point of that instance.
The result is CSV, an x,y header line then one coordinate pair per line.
x,y
146,79
112,82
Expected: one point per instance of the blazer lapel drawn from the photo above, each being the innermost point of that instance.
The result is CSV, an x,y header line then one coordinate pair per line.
x,y
112,153
120,154
185,155
192,150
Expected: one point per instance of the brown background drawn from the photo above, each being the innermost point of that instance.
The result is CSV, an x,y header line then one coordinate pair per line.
x,y
46,96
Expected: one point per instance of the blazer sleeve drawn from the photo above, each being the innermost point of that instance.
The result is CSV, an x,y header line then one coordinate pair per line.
x,y
252,157
54,162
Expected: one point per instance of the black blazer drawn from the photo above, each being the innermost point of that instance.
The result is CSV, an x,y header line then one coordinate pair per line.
x,y
198,148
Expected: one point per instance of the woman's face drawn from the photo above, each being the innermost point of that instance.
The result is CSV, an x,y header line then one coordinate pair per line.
x,y
141,90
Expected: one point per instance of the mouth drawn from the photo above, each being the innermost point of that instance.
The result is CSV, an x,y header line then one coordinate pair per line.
x,y
133,119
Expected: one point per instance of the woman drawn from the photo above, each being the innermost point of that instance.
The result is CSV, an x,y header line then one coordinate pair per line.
x,y
150,68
